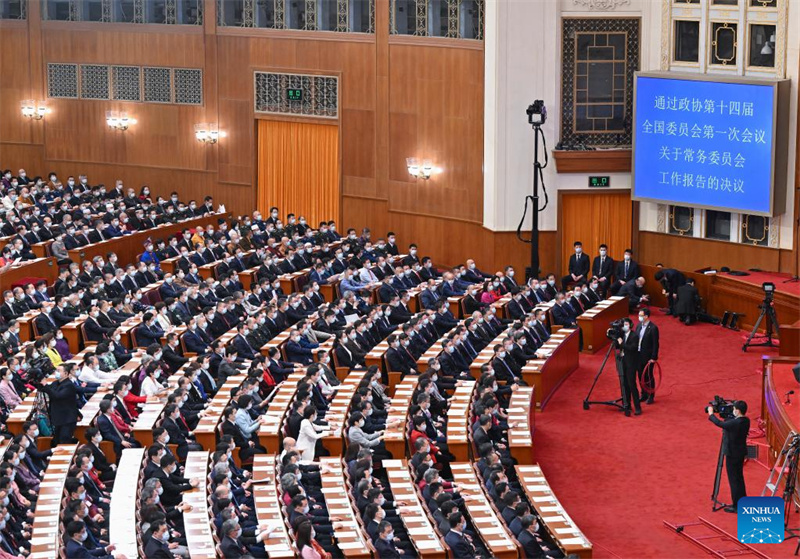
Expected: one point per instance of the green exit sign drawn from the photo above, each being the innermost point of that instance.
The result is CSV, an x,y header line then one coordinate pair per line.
x,y
294,94
599,181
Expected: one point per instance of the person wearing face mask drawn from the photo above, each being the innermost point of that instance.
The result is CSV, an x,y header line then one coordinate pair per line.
x,y
734,447
628,346
386,543
647,337
460,544
579,267
603,269
627,271
172,483
63,405
158,545
374,441
75,548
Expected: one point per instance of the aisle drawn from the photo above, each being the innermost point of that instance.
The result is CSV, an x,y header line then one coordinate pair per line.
x,y
620,477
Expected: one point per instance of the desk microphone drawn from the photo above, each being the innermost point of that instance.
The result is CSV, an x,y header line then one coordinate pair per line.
x,y
788,400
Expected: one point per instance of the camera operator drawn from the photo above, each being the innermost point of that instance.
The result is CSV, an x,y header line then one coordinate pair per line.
x,y
628,344
647,334
734,448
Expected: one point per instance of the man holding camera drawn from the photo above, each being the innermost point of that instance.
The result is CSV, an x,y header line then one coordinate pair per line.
x,y
629,355
734,448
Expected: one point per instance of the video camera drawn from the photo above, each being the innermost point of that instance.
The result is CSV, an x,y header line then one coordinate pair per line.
x,y
722,407
769,290
614,331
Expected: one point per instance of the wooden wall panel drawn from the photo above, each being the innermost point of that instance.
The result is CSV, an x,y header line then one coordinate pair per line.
x,y
15,84
687,253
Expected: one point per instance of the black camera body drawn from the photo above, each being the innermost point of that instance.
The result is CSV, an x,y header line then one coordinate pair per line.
x,y
722,407
614,331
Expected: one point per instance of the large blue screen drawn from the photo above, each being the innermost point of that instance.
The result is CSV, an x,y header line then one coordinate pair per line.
x,y
701,143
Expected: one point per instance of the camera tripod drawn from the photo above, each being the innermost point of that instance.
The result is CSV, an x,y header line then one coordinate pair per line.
x,y
786,464
716,503
772,327
619,402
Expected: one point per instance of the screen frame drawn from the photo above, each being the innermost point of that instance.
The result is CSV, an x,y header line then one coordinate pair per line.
x,y
780,133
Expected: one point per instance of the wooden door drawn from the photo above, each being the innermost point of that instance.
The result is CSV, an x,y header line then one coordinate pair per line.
x,y
594,218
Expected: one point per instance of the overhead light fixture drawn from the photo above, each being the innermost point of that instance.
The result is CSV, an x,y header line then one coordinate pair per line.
x,y
420,171
119,120
207,133
33,110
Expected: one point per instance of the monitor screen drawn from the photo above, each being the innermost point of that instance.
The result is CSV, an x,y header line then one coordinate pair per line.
x,y
703,143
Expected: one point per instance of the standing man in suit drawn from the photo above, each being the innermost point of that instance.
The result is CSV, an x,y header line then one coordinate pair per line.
x,y
603,269
734,448
647,333
627,270
579,267
628,346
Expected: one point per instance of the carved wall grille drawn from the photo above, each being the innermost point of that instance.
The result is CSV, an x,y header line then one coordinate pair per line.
x,y
127,83
157,85
94,82
183,86
188,86
62,81
320,94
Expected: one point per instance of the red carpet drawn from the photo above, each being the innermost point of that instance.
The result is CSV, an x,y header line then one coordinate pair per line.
x,y
620,477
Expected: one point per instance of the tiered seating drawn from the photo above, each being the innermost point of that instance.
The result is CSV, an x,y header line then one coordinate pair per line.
x,y
395,437
268,507
351,539
270,433
124,502
482,514
206,431
521,424
339,410
415,518
458,421
151,413
199,535
555,519
46,534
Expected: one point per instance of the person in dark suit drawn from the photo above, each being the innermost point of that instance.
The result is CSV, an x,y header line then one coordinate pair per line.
x,y
527,538
628,346
579,267
670,280
231,545
385,543
734,448
626,271
77,532
634,291
44,322
687,305
563,315
647,334
603,269
157,546
459,543
193,341
63,406
106,471
149,332
172,483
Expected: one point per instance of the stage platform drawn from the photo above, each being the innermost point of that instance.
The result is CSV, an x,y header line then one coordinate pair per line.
x,y
780,417
757,278
740,294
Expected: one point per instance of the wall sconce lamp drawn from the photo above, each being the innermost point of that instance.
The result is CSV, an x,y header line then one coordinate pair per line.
x,y
207,133
418,171
33,110
119,120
